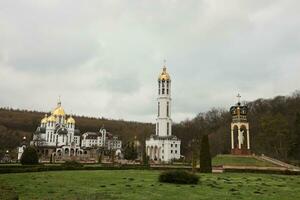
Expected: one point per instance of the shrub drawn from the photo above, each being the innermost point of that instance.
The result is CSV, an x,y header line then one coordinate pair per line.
x,y
73,164
178,176
29,156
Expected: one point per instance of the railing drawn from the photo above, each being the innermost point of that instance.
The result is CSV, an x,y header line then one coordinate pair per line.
x,y
278,162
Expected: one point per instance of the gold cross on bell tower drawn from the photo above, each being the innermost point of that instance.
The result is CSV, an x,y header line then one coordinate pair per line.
x,y
164,67
239,98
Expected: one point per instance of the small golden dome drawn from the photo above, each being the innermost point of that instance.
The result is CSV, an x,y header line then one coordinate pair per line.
x,y
71,120
51,119
164,75
44,120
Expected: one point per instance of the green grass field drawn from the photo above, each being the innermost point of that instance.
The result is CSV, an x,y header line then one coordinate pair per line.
x,y
240,161
143,184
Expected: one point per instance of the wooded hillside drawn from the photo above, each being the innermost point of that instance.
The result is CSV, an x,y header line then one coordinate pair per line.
x,y
274,128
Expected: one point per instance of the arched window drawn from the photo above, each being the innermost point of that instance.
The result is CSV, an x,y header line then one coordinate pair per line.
x,y
158,87
158,109
168,129
157,128
163,87
167,87
168,109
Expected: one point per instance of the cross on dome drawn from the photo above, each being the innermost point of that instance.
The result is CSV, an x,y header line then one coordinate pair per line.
x,y
239,97
58,101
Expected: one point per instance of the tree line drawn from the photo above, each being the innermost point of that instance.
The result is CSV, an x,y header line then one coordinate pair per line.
x,y
274,128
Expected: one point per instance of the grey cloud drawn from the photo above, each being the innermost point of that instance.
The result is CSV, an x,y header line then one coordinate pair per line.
x,y
123,84
104,57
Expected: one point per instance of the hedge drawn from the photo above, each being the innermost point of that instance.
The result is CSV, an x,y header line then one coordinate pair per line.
x,y
39,168
259,171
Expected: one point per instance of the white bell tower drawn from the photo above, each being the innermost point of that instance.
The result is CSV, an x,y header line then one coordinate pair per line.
x,y
163,146
163,120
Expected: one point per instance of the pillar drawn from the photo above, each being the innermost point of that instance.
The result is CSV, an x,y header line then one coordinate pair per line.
x,y
248,139
158,157
151,153
239,137
232,137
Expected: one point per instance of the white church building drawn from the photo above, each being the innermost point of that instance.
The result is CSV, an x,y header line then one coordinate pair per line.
x,y
163,146
57,136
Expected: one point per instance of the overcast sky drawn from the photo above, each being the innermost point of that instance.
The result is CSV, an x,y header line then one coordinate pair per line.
x,y
104,57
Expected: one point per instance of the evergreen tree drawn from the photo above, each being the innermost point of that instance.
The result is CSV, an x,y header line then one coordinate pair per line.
x,y
205,157
112,155
130,152
30,156
145,158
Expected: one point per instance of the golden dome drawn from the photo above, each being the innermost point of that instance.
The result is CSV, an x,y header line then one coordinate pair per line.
x,y
51,119
71,120
44,120
59,111
164,75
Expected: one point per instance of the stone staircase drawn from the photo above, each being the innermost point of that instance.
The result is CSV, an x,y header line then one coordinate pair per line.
x,y
278,162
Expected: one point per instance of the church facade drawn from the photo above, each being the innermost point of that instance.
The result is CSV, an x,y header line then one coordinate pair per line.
x,y
163,146
58,137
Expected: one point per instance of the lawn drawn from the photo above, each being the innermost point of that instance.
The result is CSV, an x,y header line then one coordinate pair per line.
x,y
240,161
143,184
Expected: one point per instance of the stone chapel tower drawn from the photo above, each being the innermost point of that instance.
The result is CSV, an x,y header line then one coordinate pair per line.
x,y
240,138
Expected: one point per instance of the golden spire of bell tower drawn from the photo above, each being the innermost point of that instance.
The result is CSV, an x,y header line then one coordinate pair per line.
x,y
164,74
165,65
